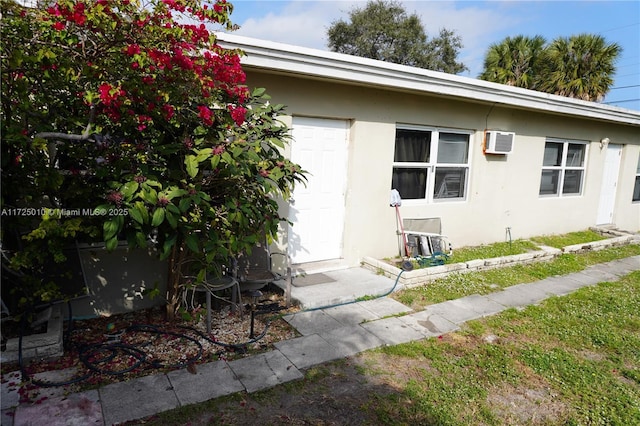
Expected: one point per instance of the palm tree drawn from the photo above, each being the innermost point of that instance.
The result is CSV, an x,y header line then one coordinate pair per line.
x,y
580,66
515,61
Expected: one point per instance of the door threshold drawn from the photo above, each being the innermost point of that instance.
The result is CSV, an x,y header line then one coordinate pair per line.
x,y
318,267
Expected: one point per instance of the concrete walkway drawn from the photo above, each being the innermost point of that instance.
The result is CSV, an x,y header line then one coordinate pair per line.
x,y
326,334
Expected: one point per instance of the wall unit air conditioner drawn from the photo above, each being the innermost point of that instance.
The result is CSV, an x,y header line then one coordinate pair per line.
x,y
497,142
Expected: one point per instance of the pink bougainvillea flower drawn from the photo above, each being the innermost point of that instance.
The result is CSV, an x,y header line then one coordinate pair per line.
x,y
238,114
168,110
59,26
54,10
205,114
133,49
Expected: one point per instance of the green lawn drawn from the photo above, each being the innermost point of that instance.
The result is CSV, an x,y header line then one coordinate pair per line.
x,y
572,360
572,238
458,285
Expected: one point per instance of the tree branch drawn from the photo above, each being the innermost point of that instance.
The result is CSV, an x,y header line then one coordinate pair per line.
x,y
82,137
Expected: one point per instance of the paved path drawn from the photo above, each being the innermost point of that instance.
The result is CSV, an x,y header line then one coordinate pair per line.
x,y
326,334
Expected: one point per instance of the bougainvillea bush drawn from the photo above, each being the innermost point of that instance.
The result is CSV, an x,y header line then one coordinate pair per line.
x,y
124,120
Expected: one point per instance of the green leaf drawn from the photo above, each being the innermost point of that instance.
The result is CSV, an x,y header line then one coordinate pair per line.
x,y
142,209
141,239
102,209
184,205
277,142
203,154
202,274
258,91
214,161
167,246
171,219
175,192
135,215
173,209
110,228
128,189
150,196
192,243
191,163
111,243
158,217
227,158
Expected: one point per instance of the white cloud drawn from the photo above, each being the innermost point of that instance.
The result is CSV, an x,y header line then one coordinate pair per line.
x,y
305,23
302,23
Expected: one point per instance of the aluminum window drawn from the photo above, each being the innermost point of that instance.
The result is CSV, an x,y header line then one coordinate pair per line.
x,y
431,164
563,168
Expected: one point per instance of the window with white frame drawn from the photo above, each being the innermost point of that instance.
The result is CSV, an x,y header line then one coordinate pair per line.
x,y
636,187
563,168
430,164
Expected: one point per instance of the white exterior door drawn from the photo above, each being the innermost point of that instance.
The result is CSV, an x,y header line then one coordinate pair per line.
x,y
609,185
319,146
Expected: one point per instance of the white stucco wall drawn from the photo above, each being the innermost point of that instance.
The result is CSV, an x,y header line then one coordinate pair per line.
x,y
502,190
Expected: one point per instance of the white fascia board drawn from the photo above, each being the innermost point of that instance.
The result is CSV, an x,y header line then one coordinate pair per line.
x,y
319,64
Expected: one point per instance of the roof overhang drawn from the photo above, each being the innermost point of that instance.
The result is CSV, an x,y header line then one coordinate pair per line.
x,y
275,57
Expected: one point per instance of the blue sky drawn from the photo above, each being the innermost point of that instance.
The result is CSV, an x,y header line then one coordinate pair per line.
x,y
479,23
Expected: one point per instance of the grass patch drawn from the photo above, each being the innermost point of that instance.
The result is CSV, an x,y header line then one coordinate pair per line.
x,y
466,254
458,285
572,238
570,360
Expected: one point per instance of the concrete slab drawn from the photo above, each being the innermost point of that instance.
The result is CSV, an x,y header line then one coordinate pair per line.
x,y
349,285
518,296
7,416
482,305
560,286
454,311
615,268
393,331
633,262
351,339
465,309
350,314
308,351
264,371
9,388
78,409
384,307
211,380
591,276
137,398
311,322
432,324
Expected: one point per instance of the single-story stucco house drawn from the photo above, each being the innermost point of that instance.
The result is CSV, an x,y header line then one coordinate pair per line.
x,y
487,159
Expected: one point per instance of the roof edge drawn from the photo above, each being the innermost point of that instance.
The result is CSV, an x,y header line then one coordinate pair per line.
x,y
274,56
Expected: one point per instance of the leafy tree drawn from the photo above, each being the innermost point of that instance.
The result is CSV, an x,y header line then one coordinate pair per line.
x,y
131,115
515,61
384,31
579,66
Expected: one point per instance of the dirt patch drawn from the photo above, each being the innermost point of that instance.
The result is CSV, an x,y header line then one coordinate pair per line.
x,y
143,342
527,403
335,394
